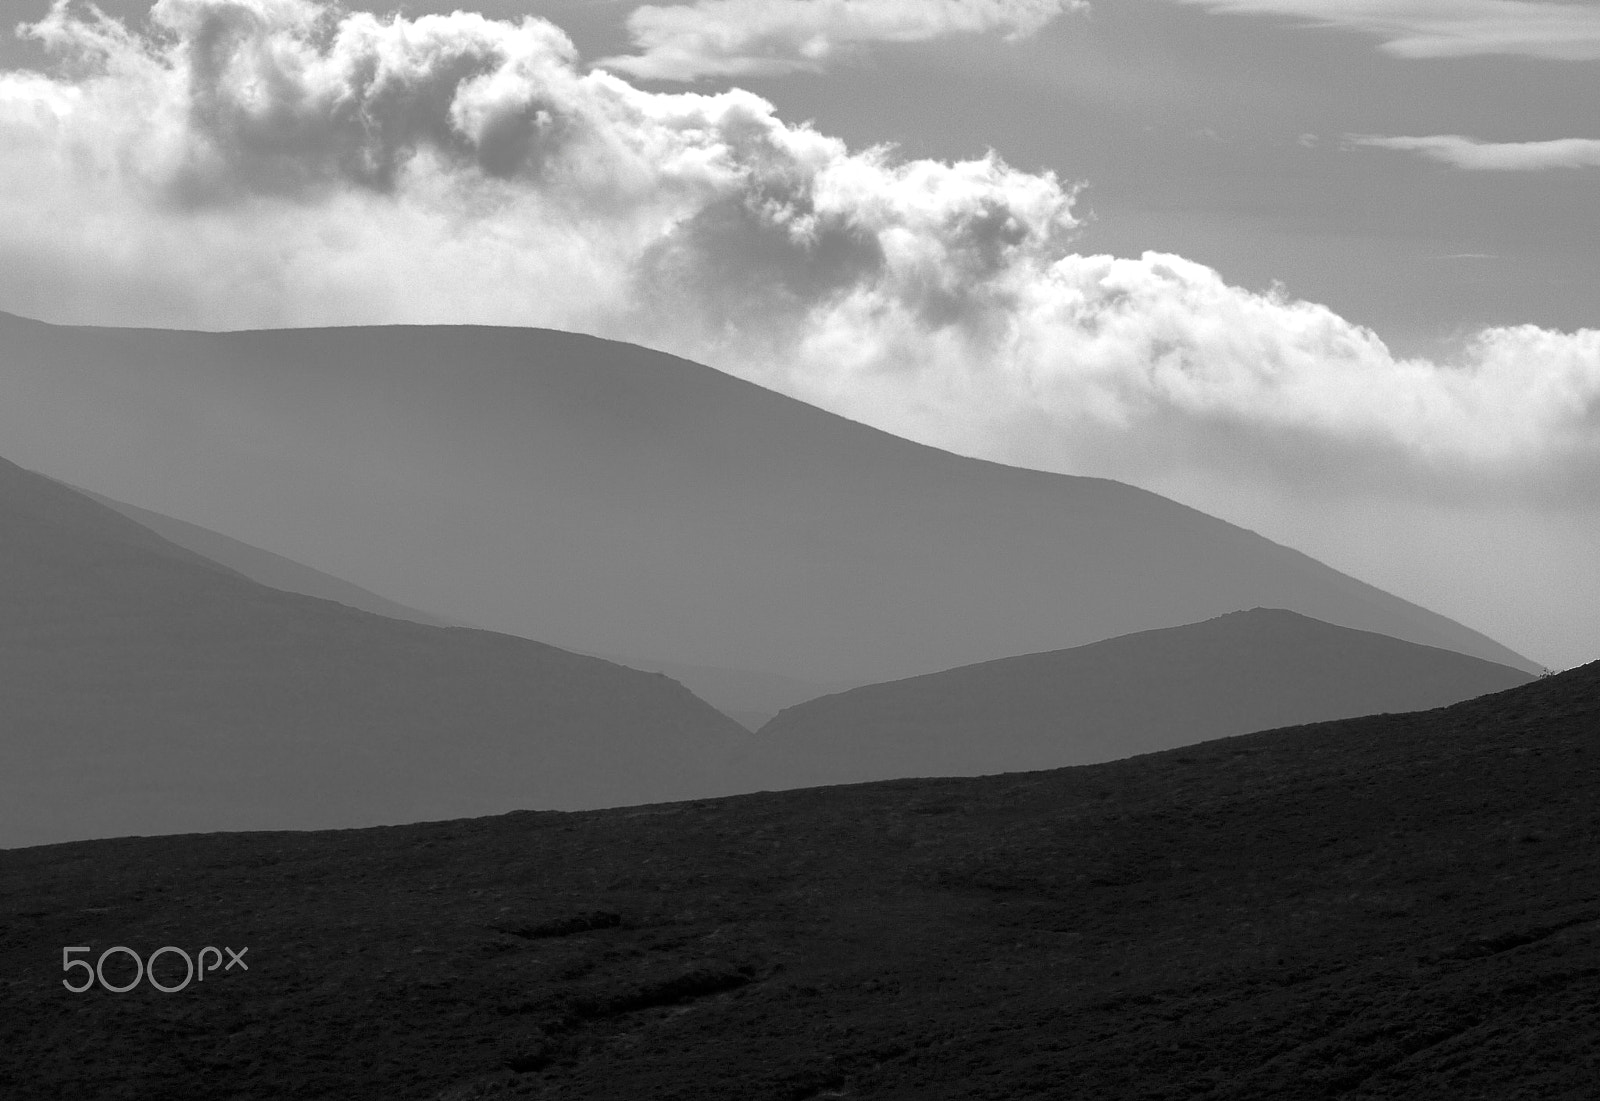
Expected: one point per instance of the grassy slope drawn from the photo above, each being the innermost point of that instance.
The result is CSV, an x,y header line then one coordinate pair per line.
x,y
1401,906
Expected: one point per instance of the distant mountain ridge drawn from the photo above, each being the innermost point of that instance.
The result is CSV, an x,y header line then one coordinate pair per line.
x,y
147,689
264,567
750,698
1391,678
616,500
1140,693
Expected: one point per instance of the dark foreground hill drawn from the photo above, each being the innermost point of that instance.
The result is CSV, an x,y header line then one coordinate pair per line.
x,y
1138,693
147,689
1400,907
611,499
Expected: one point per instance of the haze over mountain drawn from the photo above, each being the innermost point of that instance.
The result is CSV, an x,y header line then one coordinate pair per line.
x,y
273,570
616,500
1243,671
1395,907
148,689
749,698
1138,693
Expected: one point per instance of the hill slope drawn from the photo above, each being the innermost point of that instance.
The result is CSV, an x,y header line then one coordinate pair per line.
x,y
1134,694
1391,907
149,690
264,567
616,500
750,698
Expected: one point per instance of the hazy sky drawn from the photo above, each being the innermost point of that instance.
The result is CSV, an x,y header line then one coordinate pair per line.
x,y
1365,325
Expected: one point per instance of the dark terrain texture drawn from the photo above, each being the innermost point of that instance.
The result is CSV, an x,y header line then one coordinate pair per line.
x,y
1138,693
1401,906
147,689
610,499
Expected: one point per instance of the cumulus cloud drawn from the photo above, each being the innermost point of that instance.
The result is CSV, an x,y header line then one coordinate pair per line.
x,y
261,163
774,37
1490,156
1546,29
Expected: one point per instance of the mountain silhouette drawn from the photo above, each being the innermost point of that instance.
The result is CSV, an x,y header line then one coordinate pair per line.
x,y
611,499
1137,693
1240,672
749,698
1393,908
273,570
148,689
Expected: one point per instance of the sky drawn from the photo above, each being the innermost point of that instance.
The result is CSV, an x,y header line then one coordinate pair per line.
x,y
1323,268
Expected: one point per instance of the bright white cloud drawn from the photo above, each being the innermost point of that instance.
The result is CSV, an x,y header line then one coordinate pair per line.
x,y
1489,156
773,37
1548,29
261,163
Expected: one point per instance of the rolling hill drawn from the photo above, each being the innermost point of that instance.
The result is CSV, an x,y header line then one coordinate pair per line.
x,y
148,689
1242,672
1138,693
611,499
272,570
749,698
1397,907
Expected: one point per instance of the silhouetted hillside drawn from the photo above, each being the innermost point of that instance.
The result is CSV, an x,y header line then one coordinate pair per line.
x,y
615,500
1399,907
264,567
147,689
750,698
1135,694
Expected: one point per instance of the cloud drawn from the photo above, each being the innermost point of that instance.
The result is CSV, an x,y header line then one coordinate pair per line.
x,y
263,163
713,38
1447,28
1487,156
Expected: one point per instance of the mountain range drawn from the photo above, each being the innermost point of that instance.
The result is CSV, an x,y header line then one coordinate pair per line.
x,y
148,689
1345,903
614,500
153,689
162,676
